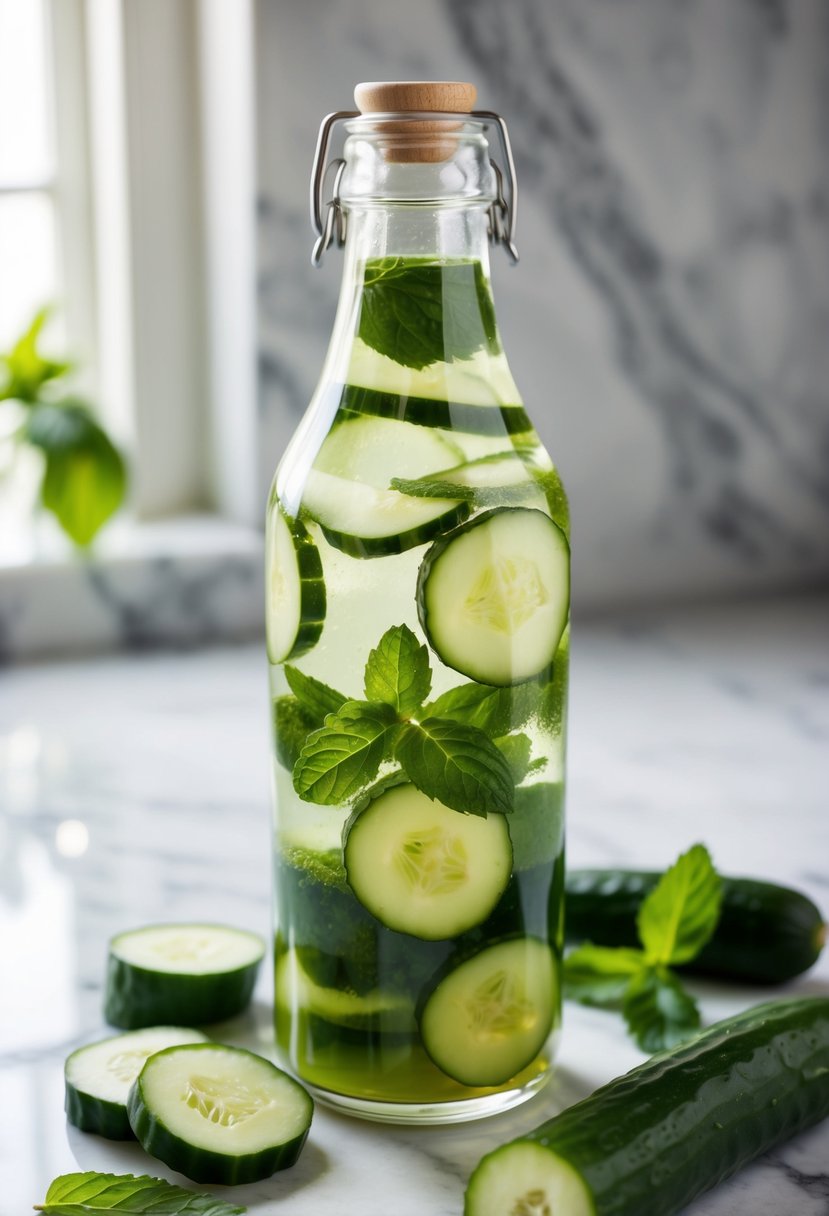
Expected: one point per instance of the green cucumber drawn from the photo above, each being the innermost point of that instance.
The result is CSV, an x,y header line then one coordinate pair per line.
x,y
654,1139
493,596
347,490
219,1114
180,974
375,1010
98,1077
423,869
489,1017
295,586
766,933
491,419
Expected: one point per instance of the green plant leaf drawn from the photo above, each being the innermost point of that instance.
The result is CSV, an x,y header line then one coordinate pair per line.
x,y
497,711
318,700
679,916
420,311
398,671
89,1193
342,757
658,1011
516,751
478,496
24,370
599,975
85,478
292,726
456,764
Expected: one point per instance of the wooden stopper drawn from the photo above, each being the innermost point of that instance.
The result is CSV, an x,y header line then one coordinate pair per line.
x,y
413,139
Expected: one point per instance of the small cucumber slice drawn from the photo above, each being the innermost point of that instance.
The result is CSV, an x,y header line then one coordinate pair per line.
x,y
493,597
528,1180
422,868
219,1114
490,1016
98,1077
378,1011
180,974
347,489
295,588
484,419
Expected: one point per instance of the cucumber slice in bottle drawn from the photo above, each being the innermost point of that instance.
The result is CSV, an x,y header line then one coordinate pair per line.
x,y
219,1114
296,589
423,869
98,1077
377,1011
347,490
489,1017
484,419
180,974
493,597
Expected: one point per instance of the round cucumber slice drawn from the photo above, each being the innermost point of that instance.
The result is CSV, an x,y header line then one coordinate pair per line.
x,y
490,1016
378,1011
528,1180
180,974
493,597
98,1077
422,868
347,492
219,1114
295,589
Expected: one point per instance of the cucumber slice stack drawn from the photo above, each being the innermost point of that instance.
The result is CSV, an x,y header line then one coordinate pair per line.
x,y
493,596
219,1114
98,1077
172,974
296,590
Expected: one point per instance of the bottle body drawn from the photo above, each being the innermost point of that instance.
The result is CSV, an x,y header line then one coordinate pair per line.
x,y
418,634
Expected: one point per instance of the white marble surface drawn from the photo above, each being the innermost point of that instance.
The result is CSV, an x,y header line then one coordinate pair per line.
x,y
135,788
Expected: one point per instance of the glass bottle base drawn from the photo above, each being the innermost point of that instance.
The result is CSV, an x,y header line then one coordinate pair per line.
x,y
425,1113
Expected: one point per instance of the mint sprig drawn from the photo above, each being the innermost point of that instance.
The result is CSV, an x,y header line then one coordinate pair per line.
x,y
675,921
128,1195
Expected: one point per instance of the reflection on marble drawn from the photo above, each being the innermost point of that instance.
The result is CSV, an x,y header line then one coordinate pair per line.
x,y
134,789
668,324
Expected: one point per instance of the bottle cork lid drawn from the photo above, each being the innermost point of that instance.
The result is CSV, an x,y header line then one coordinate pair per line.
x,y
416,139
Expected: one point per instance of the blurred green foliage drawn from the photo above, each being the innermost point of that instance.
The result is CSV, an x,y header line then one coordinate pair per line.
x,y
84,475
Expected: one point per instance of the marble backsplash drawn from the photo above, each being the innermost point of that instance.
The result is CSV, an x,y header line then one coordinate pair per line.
x,y
668,324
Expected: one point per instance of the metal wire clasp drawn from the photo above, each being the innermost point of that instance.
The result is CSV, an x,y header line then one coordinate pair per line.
x,y
328,218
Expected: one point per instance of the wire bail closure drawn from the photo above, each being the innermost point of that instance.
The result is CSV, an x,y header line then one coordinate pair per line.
x,y
328,219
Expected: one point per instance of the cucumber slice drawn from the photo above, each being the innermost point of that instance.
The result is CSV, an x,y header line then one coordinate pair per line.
x,y
98,1077
378,1011
180,974
527,1180
490,1017
422,868
493,597
347,489
484,419
296,590
219,1114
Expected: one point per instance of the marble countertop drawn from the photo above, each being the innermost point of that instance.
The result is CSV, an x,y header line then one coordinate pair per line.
x,y
135,788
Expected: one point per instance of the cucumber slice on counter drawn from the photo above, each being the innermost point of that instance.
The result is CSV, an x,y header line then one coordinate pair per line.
x,y
219,1114
422,868
296,590
174,974
489,1017
98,1077
493,597
376,1010
484,419
347,489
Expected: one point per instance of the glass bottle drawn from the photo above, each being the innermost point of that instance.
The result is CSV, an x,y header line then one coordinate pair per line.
x,y
418,636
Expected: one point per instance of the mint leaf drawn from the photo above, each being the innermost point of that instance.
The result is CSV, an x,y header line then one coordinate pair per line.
x,y
342,757
85,480
456,764
497,711
398,671
679,916
658,1011
85,1194
478,496
516,751
292,726
316,698
599,975
419,311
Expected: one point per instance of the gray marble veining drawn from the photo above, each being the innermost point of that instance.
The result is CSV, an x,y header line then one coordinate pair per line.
x,y
134,789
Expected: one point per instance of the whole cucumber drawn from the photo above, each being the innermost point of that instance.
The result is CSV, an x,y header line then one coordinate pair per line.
x,y
766,934
653,1140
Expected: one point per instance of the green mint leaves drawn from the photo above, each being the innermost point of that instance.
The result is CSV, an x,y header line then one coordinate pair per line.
x,y
675,921
418,311
398,671
128,1195
336,747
